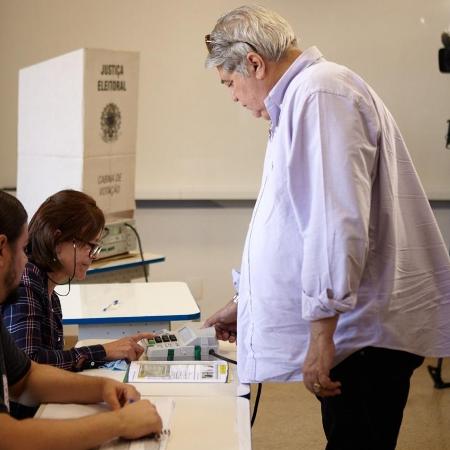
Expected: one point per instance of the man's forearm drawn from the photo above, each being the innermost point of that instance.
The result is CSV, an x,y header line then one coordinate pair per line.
x,y
47,384
323,328
47,434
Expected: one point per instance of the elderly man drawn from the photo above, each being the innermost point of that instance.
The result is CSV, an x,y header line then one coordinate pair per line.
x,y
345,279
21,378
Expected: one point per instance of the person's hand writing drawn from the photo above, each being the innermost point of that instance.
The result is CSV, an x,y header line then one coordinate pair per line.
x,y
139,419
225,322
126,348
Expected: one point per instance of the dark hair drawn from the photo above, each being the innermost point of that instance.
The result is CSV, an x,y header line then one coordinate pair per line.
x,y
63,217
12,216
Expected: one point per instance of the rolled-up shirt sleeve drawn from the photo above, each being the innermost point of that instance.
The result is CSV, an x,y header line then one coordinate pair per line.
x,y
332,163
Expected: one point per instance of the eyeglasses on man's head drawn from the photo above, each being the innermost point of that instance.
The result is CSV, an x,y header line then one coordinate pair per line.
x,y
210,43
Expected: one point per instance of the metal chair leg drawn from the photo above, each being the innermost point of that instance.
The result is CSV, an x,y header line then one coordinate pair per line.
x,y
436,374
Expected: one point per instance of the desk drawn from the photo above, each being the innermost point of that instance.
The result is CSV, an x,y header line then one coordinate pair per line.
x,y
121,268
206,423
209,416
118,309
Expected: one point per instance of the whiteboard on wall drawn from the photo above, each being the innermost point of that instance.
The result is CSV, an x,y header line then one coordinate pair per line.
x,y
193,141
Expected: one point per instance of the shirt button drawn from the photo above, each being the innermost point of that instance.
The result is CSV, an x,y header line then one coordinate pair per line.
x,y
92,363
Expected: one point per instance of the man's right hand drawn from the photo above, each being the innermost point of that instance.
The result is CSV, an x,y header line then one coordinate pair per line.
x,y
139,419
225,322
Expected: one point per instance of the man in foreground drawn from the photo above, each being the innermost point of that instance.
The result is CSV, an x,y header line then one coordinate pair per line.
x,y
345,278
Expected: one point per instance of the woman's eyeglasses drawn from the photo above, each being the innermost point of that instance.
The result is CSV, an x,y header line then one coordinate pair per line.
x,y
210,44
94,248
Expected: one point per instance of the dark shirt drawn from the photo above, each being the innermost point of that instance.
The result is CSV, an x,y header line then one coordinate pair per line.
x,y
35,323
14,365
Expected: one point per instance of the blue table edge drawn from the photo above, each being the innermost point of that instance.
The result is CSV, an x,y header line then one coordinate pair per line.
x,y
126,266
125,320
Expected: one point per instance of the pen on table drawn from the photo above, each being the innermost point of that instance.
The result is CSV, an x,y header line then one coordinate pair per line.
x,y
115,302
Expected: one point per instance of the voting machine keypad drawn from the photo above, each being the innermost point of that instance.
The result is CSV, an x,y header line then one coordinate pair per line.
x,y
163,340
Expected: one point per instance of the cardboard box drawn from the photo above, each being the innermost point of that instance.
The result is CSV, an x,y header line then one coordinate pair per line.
x,y
77,128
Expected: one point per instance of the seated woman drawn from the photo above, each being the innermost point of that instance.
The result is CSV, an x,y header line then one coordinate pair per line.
x,y
64,239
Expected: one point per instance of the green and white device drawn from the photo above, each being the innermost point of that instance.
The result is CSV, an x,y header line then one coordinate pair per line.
x,y
185,344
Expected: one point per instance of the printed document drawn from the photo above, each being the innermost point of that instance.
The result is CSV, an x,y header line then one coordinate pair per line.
x,y
178,372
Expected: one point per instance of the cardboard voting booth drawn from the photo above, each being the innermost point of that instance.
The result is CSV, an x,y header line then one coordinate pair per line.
x,y
77,129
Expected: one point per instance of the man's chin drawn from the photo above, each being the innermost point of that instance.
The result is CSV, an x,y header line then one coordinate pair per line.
x,y
261,114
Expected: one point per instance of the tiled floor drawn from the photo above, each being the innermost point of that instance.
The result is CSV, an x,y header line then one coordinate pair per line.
x,y
289,416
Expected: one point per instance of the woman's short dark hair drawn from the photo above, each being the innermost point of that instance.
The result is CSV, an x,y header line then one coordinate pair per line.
x,y
65,216
12,216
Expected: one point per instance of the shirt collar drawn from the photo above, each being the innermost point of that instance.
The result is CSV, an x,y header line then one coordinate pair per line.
x,y
274,100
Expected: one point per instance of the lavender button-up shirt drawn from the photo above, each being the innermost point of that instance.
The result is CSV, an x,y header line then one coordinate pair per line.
x,y
341,226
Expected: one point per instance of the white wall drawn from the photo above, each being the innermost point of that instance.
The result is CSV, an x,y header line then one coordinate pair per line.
x,y
201,246
193,142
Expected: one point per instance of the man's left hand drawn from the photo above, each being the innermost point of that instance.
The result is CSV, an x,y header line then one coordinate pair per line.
x,y
319,359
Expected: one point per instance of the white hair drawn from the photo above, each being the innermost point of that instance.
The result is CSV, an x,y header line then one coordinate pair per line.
x,y
246,29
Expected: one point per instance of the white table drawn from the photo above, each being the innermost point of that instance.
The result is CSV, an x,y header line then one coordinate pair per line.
x,y
119,309
208,416
197,423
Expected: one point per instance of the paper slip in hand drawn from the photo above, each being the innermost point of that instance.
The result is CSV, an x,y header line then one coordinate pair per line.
x,y
178,372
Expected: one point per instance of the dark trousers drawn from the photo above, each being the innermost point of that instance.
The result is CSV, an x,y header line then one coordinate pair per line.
x,y
368,413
